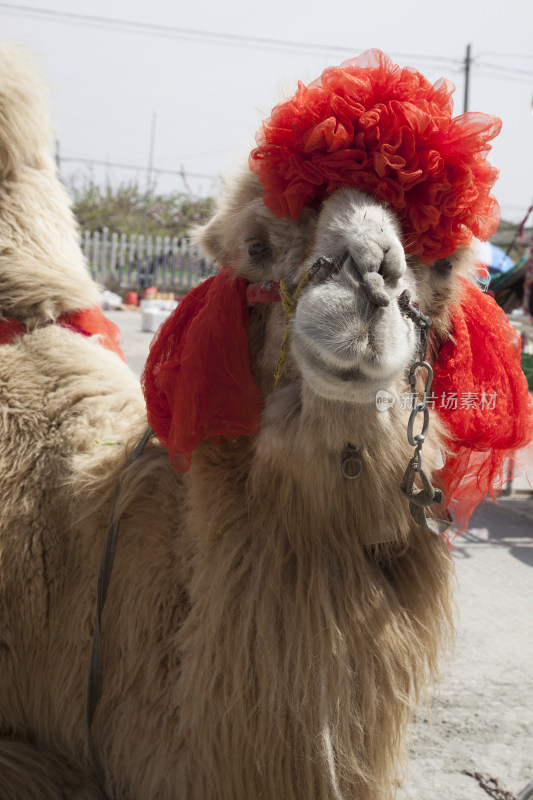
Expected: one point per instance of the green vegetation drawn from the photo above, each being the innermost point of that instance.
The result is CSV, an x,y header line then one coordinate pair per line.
x,y
127,209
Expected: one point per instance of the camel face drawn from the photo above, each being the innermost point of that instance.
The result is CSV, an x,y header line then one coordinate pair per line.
x,y
348,337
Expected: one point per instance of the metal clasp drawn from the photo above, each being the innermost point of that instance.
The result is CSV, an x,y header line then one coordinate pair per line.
x,y
351,457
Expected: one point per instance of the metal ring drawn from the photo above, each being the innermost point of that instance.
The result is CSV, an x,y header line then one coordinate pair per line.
x,y
417,456
426,366
420,437
356,460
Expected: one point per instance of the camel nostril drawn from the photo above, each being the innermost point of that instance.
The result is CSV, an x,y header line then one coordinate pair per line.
x,y
392,266
350,266
383,267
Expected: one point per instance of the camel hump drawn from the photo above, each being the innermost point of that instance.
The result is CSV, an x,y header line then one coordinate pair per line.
x,y
25,127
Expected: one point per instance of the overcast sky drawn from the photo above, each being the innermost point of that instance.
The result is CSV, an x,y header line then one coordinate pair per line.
x,y
209,95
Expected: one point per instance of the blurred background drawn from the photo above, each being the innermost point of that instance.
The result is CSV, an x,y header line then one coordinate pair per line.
x,y
169,95
154,103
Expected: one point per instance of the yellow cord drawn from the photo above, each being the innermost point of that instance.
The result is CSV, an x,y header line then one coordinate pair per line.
x,y
288,301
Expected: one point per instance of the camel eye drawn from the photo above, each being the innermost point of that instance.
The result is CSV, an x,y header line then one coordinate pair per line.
x,y
443,267
259,249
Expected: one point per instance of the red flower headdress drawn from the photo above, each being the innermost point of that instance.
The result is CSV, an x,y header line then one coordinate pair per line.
x,y
387,130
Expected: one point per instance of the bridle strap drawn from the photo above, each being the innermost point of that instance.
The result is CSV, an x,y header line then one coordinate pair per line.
x,y
105,567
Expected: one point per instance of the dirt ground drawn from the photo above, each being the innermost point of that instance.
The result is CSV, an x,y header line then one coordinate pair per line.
x,y
481,718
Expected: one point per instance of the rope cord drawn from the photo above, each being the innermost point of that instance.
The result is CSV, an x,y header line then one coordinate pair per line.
x,y
104,576
288,301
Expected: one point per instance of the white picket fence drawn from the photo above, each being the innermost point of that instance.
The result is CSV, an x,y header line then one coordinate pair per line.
x,y
120,262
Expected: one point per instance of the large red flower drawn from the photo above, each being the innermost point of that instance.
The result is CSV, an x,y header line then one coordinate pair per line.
x,y
385,129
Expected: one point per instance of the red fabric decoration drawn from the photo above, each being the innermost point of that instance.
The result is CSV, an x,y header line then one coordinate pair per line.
x,y
482,397
385,129
93,322
266,292
197,384
197,380
88,322
10,329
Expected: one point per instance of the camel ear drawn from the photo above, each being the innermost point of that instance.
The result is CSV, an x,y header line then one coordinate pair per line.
x,y
233,214
210,238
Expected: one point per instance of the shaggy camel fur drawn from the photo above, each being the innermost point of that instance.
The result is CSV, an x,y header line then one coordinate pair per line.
x,y
269,624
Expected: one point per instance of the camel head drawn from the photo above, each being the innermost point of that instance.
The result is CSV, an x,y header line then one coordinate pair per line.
x,y
366,169
361,188
348,336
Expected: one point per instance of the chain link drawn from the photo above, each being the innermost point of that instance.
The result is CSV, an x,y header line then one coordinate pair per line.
x,y
491,785
420,499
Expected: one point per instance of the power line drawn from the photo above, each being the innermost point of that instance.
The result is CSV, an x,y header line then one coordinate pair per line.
x,y
499,68
118,165
499,76
505,55
131,26
151,29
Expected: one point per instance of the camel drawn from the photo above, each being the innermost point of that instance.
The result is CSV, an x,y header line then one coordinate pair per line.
x,y
270,623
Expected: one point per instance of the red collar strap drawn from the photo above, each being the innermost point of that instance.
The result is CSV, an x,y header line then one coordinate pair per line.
x,y
87,322
266,292
198,384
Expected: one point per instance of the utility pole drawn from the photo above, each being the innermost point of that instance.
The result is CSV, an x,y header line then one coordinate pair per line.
x,y
149,171
468,61
151,156
57,157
